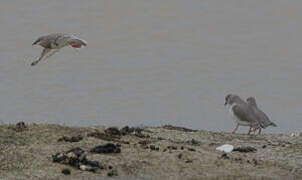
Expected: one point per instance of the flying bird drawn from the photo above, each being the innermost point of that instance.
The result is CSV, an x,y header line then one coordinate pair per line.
x,y
52,43
262,117
241,112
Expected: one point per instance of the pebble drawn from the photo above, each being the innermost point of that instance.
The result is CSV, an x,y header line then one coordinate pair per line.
x,y
245,149
66,171
106,148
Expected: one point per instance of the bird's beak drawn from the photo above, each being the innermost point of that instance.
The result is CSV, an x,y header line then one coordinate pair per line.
x,y
36,42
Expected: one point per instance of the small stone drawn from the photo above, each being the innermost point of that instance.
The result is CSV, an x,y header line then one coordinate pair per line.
x,y
172,147
188,161
182,148
113,131
238,159
191,149
264,146
152,147
58,157
255,162
194,142
77,151
225,156
112,172
20,126
66,171
179,156
71,139
144,142
126,130
107,148
245,149
160,138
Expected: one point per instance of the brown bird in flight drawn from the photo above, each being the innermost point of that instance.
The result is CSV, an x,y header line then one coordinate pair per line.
x,y
54,42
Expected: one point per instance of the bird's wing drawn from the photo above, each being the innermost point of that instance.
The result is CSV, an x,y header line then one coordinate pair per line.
x,y
244,115
77,42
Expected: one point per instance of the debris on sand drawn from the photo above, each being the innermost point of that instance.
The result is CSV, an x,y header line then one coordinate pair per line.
x,y
20,126
225,148
66,171
245,149
170,127
113,131
193,142
144,142
154,148
225,156
191,149
102,136
172,147
179,156
76,157
71,139
114,134
132,131
107,148
112,172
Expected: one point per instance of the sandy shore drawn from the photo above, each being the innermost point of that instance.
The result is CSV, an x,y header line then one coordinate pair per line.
x,y
168,152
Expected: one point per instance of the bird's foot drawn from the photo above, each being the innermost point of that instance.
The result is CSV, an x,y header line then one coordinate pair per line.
x,y
34,63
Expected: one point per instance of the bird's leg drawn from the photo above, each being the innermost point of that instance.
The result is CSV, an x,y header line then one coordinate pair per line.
x,y
259,131
52,53
249,130
234,131
254,130
44,52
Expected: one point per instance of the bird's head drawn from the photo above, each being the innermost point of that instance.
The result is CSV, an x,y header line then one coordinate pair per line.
x,y
228,99
251,101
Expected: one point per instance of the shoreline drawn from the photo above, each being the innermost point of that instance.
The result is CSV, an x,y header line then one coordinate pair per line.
x,y
166,152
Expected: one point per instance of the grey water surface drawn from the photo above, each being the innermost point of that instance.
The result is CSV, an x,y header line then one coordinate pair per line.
x,y
152,62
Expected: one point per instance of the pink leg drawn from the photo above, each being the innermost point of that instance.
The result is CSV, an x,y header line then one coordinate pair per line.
x,y
234,131
254,130
250,130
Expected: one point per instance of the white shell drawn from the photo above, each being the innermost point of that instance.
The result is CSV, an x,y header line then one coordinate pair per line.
x,y
225,148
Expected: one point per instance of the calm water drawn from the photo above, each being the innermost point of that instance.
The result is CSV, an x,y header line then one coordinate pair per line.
x,y
152,62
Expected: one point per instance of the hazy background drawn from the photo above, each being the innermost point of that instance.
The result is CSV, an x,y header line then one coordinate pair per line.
x,y
152,62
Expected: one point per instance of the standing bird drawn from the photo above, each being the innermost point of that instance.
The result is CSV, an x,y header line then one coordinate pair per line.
x,y
241,112
55,42
262,117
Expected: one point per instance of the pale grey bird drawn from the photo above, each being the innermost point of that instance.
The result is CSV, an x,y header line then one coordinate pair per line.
x,y
241,112
261,116
55,42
